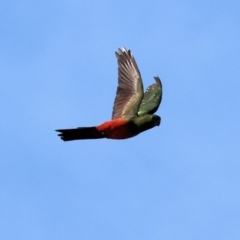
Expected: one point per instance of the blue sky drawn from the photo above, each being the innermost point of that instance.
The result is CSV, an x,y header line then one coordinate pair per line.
x,y
58,70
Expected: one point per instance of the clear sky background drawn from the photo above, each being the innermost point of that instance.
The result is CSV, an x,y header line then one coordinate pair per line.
x,y
58,70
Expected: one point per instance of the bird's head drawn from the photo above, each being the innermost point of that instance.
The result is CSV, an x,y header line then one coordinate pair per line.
x,y
140,124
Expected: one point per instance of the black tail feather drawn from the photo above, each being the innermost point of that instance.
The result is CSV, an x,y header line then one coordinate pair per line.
x,y
80,133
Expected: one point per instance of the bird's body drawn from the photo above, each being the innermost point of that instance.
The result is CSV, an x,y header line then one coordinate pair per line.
x,y
115,129
133,110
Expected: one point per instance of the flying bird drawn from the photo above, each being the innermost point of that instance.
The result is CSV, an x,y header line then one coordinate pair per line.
x,y
133,110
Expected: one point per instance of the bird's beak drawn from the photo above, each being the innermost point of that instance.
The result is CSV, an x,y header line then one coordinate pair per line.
x,y
158,121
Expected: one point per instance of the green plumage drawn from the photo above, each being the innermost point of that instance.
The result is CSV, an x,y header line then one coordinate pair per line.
x,y
141,124
151,99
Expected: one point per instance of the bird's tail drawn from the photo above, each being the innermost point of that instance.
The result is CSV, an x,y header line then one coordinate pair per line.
x,y
80,133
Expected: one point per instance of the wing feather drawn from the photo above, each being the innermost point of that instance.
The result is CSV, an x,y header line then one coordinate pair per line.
x,y
151,99
130,88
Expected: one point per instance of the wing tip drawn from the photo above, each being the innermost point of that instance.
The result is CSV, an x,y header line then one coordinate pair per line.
x,y
158,80
122,51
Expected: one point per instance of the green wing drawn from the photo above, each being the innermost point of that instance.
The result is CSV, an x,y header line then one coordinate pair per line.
x,y
130,88
151,99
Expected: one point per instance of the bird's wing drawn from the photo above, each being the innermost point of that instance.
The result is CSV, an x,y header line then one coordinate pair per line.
x,y
130,87
151,99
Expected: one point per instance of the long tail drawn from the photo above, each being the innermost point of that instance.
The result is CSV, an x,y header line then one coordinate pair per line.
x,y
80,133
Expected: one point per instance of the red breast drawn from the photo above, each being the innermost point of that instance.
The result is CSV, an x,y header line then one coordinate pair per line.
x,y
115,129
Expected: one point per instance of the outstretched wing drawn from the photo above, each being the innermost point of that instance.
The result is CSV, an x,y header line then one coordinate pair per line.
x,y
151,99
130,87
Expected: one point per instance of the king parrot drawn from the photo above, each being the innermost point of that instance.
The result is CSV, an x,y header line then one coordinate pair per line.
x,y
133,110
